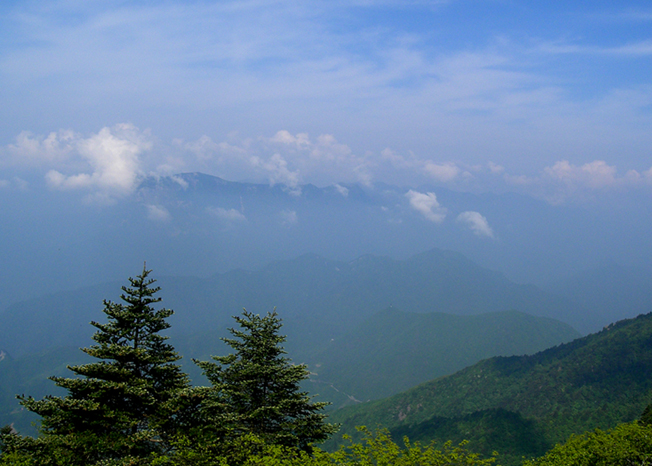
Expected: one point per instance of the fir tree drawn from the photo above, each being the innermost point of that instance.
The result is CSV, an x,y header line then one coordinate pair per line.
x,y
256,390
123,405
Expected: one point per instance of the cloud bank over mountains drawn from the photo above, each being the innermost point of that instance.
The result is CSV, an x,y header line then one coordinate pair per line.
x,y
111,162
516,133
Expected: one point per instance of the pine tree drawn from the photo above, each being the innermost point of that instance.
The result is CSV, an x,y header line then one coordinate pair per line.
x,y
124,404
257,391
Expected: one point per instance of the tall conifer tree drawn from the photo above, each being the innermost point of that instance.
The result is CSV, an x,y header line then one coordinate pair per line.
x,y
256,390
124,404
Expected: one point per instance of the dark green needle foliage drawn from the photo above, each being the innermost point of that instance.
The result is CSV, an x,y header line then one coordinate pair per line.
x,y
256,389
125,404
646,417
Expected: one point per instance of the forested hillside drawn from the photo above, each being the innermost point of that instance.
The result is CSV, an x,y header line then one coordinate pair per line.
x,y
593,382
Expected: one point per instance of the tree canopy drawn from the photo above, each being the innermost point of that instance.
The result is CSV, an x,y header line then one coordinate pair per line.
x,y
258,387
625,445
122,405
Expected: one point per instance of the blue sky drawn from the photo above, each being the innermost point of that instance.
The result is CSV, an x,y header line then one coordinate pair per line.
x,y
549,98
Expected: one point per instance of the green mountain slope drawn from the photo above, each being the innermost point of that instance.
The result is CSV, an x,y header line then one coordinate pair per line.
x,y
596,381
394,350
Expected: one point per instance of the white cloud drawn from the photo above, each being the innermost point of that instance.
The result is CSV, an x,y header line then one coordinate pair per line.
x,y
289,217
564,181
442,172
278,170
395,159
284,158
113,155
110,158
596,174
227,215
180,181
427,205
495,169
301,140
158,213
445,172
32,150
476,222
111,162
342,190
243,65
327,148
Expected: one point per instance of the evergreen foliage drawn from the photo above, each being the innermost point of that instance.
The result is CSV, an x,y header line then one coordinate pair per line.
x,y
256,390
646,416
375,449
125,404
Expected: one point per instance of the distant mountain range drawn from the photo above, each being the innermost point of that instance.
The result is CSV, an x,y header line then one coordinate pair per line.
x,y
192,224
521,405
328,307
319,299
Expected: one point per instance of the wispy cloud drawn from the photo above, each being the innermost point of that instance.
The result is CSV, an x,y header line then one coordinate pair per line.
x,y
314,70
427,205
477,223
227,215
627,14
158,213
635,49
289,217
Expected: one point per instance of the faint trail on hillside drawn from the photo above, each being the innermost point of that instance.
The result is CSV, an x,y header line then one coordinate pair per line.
x,y
330,384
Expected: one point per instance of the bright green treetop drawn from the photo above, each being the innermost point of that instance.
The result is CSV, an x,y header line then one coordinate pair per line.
x,y
625,445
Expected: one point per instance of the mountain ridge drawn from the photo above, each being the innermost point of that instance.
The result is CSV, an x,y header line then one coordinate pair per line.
x,y
327,297
597,381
